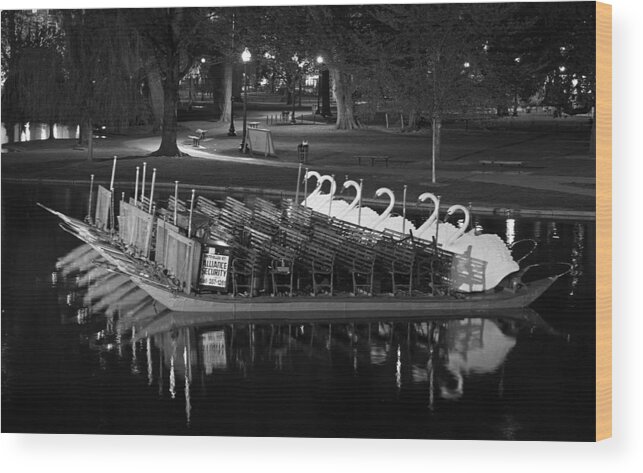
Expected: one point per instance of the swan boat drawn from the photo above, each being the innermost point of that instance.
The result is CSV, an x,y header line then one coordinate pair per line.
x,y
269,260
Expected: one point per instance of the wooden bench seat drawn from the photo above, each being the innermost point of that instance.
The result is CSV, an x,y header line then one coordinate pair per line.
x,y
199,135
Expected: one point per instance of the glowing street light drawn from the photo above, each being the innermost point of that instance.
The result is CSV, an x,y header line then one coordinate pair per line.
x,y
245,57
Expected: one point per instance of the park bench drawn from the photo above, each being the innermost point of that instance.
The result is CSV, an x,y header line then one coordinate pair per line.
x,y
487,162
373,159
197,137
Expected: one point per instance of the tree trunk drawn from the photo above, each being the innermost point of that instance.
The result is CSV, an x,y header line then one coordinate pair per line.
x,y
10,127
414,121
156,98
51,130
436,129
226,105
170,99
343,90
85,130
437,123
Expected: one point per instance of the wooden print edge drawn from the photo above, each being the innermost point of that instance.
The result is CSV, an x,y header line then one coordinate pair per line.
x,y
603,119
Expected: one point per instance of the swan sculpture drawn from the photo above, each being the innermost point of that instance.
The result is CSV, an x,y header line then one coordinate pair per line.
x,y
354,213
487,247
326,203
396,223
319,201
317,188
428,229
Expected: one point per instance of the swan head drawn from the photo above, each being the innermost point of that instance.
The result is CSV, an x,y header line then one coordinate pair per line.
x,y
327,178
454,208
429,195
350,183
384,190
310,174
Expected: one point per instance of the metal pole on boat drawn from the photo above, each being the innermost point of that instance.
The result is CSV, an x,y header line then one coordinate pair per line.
x,y
330,200
176,199
111,183
404,210
152,189
136,186
298,179
191,209
143,182
91,190
305,187
437,223
359,208
471,221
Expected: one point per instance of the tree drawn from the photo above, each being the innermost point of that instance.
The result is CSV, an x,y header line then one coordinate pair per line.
x,y
431,57
103,70
174,37
344,53
32,68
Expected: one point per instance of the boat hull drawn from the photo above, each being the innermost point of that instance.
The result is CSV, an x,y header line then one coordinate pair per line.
x,y
302,307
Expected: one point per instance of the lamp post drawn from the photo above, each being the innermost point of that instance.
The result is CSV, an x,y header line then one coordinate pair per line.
x,y
320,61
295,58
245,56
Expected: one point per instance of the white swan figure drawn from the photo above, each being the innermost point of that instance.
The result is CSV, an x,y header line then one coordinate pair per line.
x,y
353,204
396,223
427,230
320,202
487,247
379,223
317,188
353,213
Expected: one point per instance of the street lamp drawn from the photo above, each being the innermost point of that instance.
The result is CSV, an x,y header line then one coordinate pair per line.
x,y
245,56
320,61
295,59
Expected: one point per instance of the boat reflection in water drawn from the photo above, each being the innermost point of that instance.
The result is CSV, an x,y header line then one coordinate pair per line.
x,y
180,352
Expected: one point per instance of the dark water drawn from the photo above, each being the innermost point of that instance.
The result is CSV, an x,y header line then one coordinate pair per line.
x,y
88,353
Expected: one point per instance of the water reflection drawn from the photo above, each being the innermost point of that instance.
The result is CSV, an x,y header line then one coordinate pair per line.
x,y
433,354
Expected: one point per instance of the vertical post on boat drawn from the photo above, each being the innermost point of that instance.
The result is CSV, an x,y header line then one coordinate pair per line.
x,y
298,179
305,187
191,209
471,222
111,183
437,223
91,190
143,182
111,189
152,189
404,210
359,205
330,200
176,199
136,187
